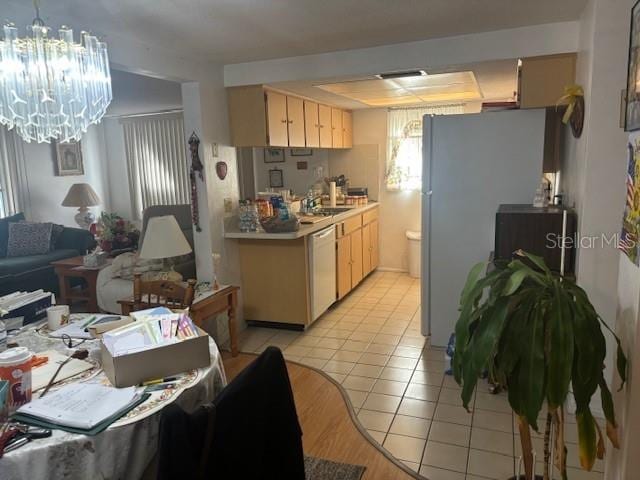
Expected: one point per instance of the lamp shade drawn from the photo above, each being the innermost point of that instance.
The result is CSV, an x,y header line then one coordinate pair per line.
x,y
164,239
81,195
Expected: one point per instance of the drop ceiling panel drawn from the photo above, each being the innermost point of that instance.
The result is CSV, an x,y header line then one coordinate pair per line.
x,y
443,87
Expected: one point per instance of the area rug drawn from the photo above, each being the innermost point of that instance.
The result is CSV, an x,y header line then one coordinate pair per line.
x,y
321,469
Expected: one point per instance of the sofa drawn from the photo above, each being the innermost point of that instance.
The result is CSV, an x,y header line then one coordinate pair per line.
x,y
110,287
35,271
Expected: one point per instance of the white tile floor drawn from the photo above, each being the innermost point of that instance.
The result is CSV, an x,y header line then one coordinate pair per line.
x,y
370,342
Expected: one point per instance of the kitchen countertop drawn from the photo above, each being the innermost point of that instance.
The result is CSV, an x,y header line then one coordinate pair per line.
x,y
232,230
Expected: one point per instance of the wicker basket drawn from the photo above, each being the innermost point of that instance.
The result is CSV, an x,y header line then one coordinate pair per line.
x,y
276,225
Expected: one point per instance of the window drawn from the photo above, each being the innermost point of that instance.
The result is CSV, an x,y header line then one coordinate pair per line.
x,y
157,161
13,185
404,145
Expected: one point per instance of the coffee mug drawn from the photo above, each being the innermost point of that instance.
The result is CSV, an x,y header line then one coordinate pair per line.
x,y
57,316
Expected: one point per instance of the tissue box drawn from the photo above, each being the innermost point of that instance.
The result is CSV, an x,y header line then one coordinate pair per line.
x,y
159,362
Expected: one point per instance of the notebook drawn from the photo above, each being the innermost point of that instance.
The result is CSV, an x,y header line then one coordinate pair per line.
x,y
42,374
82,405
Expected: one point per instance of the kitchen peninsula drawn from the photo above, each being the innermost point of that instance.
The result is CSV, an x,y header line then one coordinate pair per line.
x,y
278,275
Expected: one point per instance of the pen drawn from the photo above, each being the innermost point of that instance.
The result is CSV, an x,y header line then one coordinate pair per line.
x,y
88,322
158,380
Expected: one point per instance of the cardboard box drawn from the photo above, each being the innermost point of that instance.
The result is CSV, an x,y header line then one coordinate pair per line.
x,y
160,362
96,331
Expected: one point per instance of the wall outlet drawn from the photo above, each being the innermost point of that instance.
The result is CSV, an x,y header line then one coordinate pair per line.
x,y
228,206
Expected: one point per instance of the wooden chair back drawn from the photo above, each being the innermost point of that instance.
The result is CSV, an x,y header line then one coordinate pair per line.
x,y
165,293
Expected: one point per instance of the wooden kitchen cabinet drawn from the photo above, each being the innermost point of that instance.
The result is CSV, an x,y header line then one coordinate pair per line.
x,y
336,128
541,80
343,266
262,117
347,129
295,121
370,249
356,257
277,131
324,115
357,250
311,124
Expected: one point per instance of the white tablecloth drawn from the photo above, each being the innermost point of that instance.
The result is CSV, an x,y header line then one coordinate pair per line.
x,y
120,452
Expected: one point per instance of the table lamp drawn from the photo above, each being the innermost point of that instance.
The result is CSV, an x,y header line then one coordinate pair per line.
x,y
164,239
83,196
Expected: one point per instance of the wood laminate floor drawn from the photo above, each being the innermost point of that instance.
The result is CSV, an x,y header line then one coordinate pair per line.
x,y
328,429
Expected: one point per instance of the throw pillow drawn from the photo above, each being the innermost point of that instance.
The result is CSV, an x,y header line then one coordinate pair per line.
x,y
29,239
4,231
56,231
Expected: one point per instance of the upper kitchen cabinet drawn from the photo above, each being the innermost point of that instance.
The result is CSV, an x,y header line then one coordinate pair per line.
x,y
541,80
295,121
262,117
347,129
276,109
324,115
336,128
311,124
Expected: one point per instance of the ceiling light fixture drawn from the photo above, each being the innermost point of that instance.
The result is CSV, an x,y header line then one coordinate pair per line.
x,y
52,88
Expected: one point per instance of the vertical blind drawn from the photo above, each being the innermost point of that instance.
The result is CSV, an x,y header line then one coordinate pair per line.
x,y
13,186
157,161
404,144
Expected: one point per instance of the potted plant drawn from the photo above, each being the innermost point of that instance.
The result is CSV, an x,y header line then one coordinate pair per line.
x,y
537,333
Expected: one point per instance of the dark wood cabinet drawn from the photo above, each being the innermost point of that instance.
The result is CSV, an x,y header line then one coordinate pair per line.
x,y
537,231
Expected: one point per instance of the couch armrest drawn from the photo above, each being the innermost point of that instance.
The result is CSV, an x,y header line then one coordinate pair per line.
x,y
76,239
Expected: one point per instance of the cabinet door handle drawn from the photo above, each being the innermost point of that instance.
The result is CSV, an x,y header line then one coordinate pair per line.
x,y
283,121
290,121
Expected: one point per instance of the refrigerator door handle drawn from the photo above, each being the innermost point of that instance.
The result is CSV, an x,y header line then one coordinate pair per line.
x,y
429,193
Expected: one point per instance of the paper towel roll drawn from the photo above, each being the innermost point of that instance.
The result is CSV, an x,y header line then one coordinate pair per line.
x,y
332,194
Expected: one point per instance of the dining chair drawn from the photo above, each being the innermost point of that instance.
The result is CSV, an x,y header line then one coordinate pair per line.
x,y
155,293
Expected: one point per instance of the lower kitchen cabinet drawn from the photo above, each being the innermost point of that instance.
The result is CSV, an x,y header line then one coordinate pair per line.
x,y
343,265
357,250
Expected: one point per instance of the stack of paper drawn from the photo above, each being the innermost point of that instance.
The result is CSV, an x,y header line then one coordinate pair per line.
x,y
88,407
151,330
80,328
15,300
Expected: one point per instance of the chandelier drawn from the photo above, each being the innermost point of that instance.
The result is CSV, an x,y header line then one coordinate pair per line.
x,y
52,88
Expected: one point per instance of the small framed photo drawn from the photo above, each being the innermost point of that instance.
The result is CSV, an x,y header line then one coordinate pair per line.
x,y
276,180
69,159
301,152
273,155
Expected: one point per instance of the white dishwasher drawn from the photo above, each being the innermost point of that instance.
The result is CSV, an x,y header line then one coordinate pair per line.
x,y
322,261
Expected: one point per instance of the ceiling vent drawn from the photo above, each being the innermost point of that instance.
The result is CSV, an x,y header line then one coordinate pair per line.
x,y
410,73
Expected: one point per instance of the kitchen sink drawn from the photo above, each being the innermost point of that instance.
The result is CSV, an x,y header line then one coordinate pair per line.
x,y
328,211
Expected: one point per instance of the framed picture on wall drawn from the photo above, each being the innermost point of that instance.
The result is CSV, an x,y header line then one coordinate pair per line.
x,y
276,180
301,152
632,110
273,155
69,159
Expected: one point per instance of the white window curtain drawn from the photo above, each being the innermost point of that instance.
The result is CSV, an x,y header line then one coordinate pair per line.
x,y
13,180
157,161
404,144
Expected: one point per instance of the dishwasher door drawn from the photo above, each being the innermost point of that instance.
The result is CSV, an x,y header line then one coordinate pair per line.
x,y
322,262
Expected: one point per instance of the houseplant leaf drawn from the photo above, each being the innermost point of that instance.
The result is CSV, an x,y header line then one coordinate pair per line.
x,y
559,336
587,438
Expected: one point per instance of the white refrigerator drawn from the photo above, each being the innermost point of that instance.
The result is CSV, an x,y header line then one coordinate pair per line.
x,y
471,165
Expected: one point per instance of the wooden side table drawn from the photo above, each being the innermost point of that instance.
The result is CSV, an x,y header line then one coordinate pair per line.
x,y
73,267
222,301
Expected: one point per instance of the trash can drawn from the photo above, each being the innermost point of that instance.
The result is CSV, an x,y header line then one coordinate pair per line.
x,y
415,241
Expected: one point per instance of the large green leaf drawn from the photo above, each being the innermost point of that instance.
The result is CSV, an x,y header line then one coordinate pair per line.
x,y
514,282
609,413
472,279
536,260
560,348
482,346
587,438
531,378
